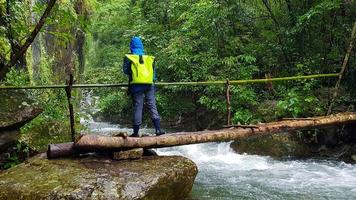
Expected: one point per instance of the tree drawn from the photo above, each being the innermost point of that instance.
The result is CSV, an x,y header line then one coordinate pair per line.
x,y
18,50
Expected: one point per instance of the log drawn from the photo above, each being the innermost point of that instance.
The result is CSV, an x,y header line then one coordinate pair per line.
x,y
92,143
60,150
240,126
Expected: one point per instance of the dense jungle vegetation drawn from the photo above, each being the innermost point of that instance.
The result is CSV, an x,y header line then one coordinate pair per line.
x,y
199,40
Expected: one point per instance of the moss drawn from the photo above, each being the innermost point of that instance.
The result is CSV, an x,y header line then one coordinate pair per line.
x,y
29,183
12,102
99,178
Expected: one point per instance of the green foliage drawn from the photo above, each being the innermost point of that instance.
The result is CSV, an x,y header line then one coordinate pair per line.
x,y
18,153
46,129
109,34
115,104
11,162
16,77
212,103
322,8
298,104
173,109
242,116
105,75
63,20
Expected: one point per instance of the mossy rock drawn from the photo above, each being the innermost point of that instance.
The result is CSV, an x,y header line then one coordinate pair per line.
x,y
16,109
90,177
277,145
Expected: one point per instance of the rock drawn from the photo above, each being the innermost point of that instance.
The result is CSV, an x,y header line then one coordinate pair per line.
x,y
15,111
328,136
350,155
129,154
353,157
101,178
277,145
14,120
8,138
149,152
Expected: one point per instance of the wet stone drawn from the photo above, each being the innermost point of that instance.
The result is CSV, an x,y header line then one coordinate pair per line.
x,y
129,154
353,157
90,177
276,145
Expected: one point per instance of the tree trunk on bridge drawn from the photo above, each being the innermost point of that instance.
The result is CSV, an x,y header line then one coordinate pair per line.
x,y
92,143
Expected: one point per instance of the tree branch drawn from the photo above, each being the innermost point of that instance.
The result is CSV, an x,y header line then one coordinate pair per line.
x,y
15,56
34,33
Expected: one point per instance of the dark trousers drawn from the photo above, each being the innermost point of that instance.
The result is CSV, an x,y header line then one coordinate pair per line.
x,y
138,100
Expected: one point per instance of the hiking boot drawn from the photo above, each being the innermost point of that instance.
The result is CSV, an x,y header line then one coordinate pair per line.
x,y
160,132
136,128
157,125
135,135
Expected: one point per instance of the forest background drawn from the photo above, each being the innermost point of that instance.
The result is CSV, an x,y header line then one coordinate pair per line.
x,y
200,40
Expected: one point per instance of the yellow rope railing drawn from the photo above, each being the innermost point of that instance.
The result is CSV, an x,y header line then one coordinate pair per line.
x,y
221,82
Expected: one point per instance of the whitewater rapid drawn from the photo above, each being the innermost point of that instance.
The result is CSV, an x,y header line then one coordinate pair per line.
x,y
224,174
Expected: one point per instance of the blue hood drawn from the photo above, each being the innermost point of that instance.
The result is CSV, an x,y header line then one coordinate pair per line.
x,y
136,46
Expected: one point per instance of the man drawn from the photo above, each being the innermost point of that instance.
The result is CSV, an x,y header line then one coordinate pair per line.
x,y
140,70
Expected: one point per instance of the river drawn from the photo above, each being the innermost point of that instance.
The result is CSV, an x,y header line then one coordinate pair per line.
x,y
226,175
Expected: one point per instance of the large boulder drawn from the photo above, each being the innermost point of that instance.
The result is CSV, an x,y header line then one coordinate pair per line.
x,y
276,145
15,119
16,109
91,177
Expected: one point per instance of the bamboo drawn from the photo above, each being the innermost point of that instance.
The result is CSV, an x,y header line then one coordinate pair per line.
x,y
124,85
228,104
92,143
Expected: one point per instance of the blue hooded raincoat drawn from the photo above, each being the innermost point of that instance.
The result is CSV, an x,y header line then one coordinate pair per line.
x,y
136,47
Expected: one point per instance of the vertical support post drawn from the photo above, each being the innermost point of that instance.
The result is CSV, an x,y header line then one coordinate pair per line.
x,y
68,90
269,83
228,105
343,67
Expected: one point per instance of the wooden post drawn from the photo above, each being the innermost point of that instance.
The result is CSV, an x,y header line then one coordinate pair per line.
x,y
344,64
269,83
68,90
228,105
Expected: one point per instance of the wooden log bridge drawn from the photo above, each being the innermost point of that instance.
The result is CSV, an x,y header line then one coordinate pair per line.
x,y
93,143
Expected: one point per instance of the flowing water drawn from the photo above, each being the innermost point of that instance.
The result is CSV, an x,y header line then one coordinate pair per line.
x,y
224,174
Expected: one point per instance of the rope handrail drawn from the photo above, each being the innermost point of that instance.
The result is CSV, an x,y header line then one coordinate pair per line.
x,y
220,82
